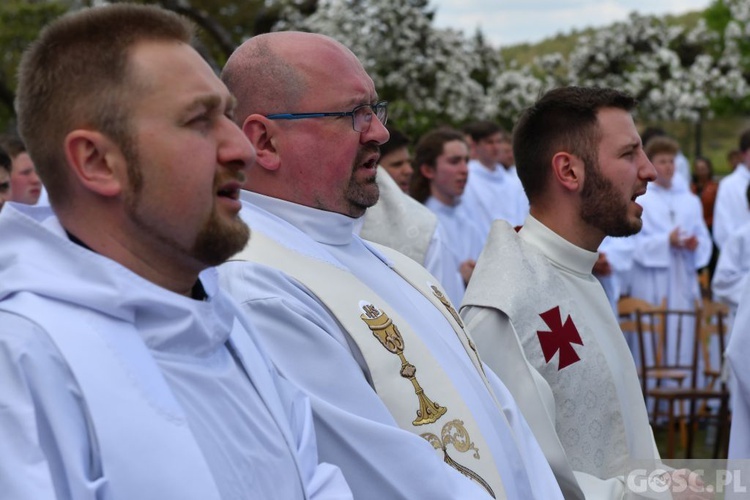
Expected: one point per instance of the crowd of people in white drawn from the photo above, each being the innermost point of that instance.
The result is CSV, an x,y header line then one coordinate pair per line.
x,y
247,286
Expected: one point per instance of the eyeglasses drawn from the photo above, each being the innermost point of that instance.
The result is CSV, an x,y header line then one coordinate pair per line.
x,y
361,115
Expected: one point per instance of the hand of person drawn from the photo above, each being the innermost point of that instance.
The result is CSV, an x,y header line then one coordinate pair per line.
x,y
602,266
466,269
690,243
674,238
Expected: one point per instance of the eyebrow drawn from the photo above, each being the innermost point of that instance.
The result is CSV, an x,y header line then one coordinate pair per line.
x,y
210,102
629,146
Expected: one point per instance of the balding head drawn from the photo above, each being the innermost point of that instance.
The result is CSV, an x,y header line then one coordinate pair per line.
x,y
271,73
319,161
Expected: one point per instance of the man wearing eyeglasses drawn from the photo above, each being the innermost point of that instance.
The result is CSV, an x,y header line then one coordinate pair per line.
x,y
401,401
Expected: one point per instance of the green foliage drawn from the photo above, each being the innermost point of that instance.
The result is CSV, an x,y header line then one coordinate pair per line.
x,y
717,16
565,43
20,23
223,25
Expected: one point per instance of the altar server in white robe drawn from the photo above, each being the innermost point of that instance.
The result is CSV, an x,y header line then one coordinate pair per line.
x,y
738,352
5,187
731,209
439,181
126,373
493,190
400,222
673,244
613,267
401,400
539,317
733,269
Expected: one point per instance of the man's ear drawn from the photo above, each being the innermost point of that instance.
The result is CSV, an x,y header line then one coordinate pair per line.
x,y
427,171
262,133
568,170
96,161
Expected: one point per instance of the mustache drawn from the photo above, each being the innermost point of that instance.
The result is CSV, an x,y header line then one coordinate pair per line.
x,y
238,176
367,150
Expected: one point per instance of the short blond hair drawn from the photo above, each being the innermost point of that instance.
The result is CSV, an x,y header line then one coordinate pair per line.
x,y
76,75
661,145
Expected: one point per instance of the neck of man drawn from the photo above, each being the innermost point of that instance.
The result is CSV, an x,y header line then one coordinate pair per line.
x,y
140,258
489,164
569,228
444,198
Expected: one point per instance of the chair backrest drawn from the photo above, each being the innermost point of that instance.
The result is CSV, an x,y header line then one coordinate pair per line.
x,y
626,308
669,340
713,326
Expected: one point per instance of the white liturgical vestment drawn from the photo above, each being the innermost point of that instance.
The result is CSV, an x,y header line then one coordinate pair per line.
x,y
115,388
731,208
662,271
619,254
327,318
463,238
733,268
738,353
400,222
543,323
494,194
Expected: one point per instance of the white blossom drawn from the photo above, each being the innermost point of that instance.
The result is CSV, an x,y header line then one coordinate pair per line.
x,y
433,76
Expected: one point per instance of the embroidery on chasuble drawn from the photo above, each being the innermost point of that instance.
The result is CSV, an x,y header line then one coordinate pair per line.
x,y
415,388
515,278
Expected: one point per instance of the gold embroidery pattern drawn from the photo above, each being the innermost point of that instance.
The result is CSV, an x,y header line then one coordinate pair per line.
x,y
444,300
387,333
455,433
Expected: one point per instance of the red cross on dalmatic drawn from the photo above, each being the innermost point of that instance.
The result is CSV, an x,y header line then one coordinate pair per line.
x,y
559,338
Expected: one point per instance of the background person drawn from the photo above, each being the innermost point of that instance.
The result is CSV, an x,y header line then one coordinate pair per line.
x,y
399,222
25,183
733,267
441,157
493,191
396,159
705,187
731,210
673,244
5,188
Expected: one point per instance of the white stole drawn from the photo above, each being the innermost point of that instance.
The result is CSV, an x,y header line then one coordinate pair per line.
x,y
413,386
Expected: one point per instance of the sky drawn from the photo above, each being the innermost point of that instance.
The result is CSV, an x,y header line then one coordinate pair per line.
x,y
509,22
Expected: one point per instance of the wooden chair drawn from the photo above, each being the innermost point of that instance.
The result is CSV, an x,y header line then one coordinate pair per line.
x,y
649,331
626,308
662,336
666,333
714,329
714,325
653,331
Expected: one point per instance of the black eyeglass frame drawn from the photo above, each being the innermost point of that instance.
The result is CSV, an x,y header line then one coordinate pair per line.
x,y
380,105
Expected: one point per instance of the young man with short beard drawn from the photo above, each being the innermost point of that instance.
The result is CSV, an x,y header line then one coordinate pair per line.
x,y
538,315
